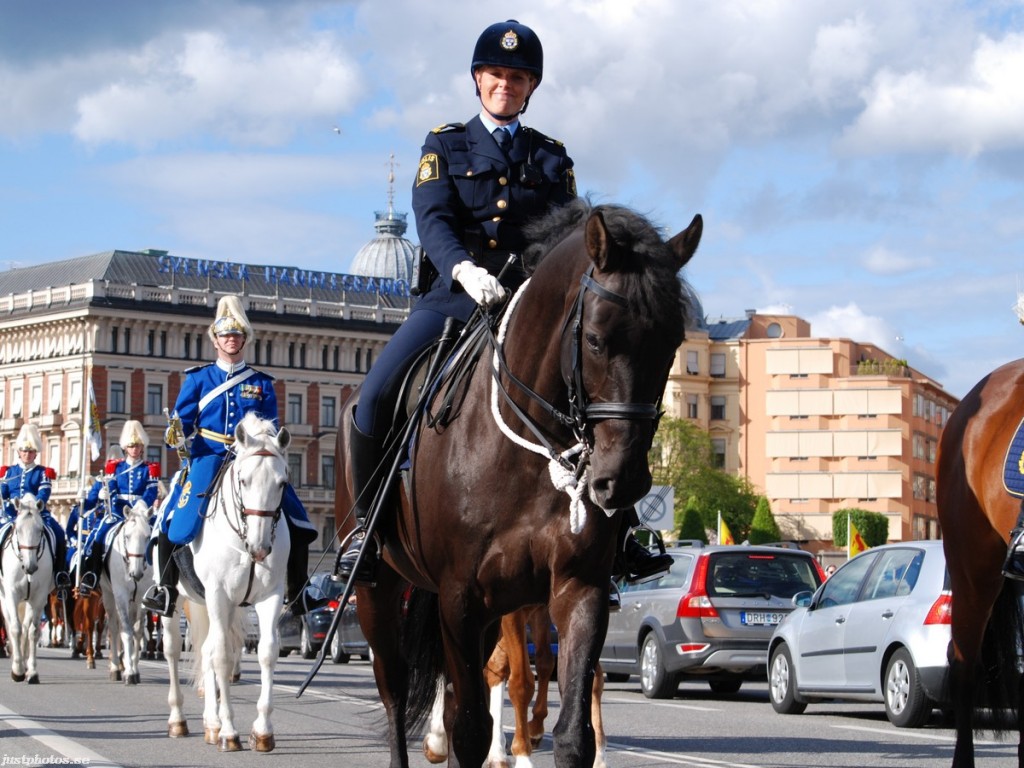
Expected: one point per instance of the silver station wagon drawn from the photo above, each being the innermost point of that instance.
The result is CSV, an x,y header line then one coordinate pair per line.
x,y
708,619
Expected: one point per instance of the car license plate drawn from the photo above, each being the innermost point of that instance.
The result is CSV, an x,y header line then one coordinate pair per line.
x,y
761,618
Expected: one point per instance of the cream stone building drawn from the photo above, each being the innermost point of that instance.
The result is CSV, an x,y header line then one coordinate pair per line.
x,y
131,322
816,424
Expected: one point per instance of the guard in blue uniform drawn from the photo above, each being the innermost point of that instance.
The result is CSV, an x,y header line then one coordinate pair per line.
x,y
476,186
80,521
212,401
29,477
125,482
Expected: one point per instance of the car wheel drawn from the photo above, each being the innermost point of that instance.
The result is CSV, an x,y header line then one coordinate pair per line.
x,y
725,686
616,677
655,681
906,704
305,645
337,655
782,683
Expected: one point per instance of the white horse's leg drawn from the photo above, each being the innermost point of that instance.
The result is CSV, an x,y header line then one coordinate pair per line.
x,y
113,624
30,636
176,724
136,618
435,743
218,664
496,756
261,739
12,619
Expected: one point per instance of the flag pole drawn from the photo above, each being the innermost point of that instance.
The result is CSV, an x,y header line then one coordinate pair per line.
x,y
849,542
86,416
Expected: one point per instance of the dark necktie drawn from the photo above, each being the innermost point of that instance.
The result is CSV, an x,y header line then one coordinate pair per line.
x,y
504,139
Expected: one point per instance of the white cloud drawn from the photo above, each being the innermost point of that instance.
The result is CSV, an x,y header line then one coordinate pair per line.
x,y
979,109
881,260
205,83
850,322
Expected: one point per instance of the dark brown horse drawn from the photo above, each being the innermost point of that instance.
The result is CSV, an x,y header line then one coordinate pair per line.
x,y
481,528
977,514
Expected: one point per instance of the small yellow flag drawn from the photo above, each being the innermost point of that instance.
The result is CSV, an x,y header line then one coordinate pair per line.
x,y
724,534
856,542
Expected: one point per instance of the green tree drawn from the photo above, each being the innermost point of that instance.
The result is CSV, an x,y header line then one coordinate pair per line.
x,y
764,528
682,456
873,526
691,524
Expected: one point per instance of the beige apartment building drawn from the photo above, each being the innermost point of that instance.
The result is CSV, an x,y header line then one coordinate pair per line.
x,y
816,424
131,322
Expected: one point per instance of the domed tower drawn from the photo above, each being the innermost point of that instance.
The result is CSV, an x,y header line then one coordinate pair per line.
x,y
388,254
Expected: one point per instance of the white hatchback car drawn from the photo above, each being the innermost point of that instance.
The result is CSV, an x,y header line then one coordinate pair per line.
x,y
877,630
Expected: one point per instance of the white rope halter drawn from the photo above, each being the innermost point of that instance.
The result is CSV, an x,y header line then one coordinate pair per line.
x,y
562,478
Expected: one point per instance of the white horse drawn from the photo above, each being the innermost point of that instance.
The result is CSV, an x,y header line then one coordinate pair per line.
x,y
27,565
122,589
240,558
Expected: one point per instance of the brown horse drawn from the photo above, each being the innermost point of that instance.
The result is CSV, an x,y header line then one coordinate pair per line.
x,y
87,628
57,612
581,360
977,514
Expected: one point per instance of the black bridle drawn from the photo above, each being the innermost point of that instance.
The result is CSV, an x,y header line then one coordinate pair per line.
x,y
582,413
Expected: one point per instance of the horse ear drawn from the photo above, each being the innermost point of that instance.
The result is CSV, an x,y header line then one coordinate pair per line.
x,y
284,438
684,245
240,434
599,244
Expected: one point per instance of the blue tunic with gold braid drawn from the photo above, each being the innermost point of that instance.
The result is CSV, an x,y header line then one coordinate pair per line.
x,y
126,483
242,389
36,479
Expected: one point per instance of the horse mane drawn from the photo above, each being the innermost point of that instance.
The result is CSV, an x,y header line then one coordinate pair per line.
x,y
651,291
257,428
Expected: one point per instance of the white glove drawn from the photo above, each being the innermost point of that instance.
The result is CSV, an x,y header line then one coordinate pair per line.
x,y
481,285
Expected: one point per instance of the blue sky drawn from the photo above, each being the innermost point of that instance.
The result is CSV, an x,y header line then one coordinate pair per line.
x,y
859,164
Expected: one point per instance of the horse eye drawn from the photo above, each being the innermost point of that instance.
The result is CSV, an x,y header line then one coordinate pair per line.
x,y
594,342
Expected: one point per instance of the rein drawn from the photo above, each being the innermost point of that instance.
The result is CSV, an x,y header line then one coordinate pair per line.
x,y
243,513
565,474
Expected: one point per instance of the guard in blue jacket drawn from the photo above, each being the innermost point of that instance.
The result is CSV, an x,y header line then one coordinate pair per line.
x,y
125,482
29,477
213,400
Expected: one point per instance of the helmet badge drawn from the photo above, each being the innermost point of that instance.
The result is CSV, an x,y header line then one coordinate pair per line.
x,y
510,41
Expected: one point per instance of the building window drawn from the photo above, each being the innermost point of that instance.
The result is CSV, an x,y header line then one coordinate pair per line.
x,y
155,454
118,400
17,400
291,354
56,390
337,358
154,399
328,411
691,406
692,366
327,472
188,346
127,340
268,353
151,343
163,343
920,487
359,359
718,407
294,410
718,453
75,402
35,399
325,356
114,338
718,365
302,355
295,469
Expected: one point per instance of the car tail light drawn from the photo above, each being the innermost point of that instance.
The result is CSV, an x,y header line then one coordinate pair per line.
x,y
696,604
941,611
692,647
332,605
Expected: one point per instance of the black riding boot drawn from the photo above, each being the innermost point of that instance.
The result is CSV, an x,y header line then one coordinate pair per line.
x,y
296,598
634,562
90,566
162,597
366,454
61,579
1013,566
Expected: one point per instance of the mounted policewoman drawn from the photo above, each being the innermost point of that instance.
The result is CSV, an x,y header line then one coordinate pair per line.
x,y
212,402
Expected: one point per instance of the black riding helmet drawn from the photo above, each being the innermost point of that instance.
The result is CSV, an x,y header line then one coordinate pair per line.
x,y
509,44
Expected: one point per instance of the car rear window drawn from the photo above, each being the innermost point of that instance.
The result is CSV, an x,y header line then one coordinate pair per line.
x,y
743,574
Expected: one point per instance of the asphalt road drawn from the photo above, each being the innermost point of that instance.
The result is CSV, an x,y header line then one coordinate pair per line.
x,y
77,716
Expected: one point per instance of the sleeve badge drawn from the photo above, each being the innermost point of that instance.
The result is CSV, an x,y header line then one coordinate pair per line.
x,y
429,169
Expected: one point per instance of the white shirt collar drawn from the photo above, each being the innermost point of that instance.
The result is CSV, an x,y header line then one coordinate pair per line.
x,y
230,368
490,125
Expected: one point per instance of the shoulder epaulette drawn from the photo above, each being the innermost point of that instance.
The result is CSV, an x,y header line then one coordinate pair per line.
x,y
544,137
195,368
445,127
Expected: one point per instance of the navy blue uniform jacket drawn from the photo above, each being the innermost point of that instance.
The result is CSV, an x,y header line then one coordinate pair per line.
x,y
471,202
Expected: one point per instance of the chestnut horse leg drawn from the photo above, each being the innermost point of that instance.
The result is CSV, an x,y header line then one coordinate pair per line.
x,y
467,719
544,660
520,681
